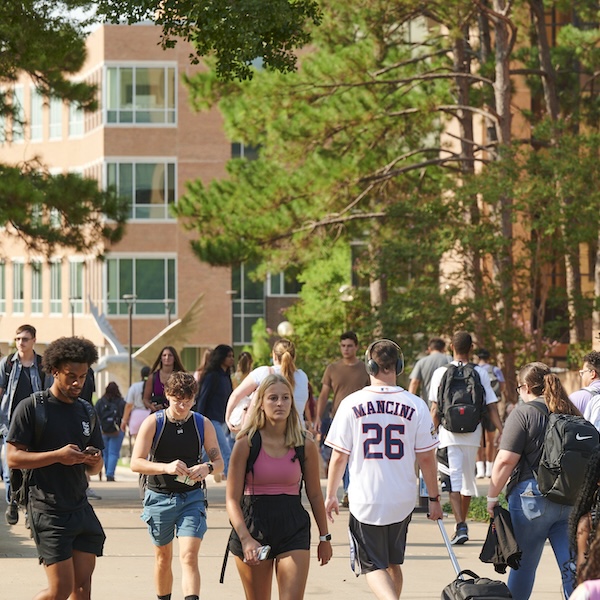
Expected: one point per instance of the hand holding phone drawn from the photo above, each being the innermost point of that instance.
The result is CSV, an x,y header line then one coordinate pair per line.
x,y
91,451
263,552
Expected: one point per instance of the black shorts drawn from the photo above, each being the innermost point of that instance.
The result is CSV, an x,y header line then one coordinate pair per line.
x,y
444,477
376,547
56,535
279,521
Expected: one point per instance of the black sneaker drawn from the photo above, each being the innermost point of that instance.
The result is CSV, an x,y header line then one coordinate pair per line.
x,y
461,535
12,514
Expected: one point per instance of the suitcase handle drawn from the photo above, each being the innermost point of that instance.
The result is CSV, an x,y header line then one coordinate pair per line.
x,y
450,550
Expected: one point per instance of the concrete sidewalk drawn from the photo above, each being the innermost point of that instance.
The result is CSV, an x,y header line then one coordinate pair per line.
x,y
126,569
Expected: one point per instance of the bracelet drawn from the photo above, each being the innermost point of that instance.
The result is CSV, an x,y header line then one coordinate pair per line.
x,y
211,467
434,499
490,499
325,538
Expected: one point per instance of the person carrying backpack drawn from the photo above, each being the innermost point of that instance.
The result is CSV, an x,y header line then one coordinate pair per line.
x,y
21,374
487,448
535,517
460,394
110,410
174,500
271,528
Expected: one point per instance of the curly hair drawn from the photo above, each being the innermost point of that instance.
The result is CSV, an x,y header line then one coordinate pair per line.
x,y
587,499
69,349
591,568
256,420
181,385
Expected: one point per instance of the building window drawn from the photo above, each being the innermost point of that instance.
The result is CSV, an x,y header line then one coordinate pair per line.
x,y
76,287
75,120
248,303
18,115
18,288
37,115
36,287
2,287
150,187
284,284
241,150
56,110
152,280
56,288
140,95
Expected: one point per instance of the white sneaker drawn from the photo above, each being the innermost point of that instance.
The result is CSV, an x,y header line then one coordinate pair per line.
x,y
488,468
480,469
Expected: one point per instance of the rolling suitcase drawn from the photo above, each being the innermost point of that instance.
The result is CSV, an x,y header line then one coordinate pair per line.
x,y
468,585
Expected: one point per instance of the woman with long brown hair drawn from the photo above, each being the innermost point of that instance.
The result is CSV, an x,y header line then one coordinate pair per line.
x,y
535,518
167,362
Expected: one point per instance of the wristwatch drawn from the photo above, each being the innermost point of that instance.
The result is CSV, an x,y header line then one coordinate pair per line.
x,y
434,498
325,538
211,467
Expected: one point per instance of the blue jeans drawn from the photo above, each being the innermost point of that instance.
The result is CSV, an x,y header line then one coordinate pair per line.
x,y
536,519
112,451
224,446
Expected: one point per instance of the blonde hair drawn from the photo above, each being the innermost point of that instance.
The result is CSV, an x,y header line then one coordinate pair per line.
x,y
256,420
285,351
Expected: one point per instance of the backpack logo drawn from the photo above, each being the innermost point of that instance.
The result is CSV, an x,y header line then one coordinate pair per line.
x,y
580,437
86,428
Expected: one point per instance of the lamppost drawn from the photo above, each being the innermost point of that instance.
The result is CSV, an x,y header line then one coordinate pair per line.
x,y
130,299
285,329
72,305
168,309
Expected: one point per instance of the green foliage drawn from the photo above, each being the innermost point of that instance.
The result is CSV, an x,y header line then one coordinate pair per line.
x,y
41,39
261,349
238,35
41,210
477,508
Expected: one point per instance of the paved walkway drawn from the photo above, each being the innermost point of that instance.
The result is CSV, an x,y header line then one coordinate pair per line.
x,y
125,571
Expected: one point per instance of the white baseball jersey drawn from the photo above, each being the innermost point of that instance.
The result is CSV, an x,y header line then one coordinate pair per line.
x,y
382,428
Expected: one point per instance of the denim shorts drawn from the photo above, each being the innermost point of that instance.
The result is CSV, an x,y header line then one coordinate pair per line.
x,y
170,514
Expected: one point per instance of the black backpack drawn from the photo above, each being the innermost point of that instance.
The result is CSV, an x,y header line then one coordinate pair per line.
x,y
110,420
255,446
461,398
569,441
8,366
20,479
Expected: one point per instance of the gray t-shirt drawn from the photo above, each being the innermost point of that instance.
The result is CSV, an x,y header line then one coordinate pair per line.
x,y
424,369
524,434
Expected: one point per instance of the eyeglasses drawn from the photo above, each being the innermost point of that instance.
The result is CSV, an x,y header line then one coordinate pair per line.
x,y
582,371
518,388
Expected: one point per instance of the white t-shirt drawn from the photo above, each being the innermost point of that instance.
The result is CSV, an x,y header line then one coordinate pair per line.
x,y
300,389
448,438
382,428
135,394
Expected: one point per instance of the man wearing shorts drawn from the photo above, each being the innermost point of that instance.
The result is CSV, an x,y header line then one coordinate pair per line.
x,y
66,531
379,432
174,503
461,448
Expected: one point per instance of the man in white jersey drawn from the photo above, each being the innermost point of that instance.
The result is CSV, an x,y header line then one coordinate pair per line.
x,y
378,432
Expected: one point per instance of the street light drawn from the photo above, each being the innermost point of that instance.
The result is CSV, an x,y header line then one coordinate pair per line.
x,y
168,309
285,329
72,305
130,299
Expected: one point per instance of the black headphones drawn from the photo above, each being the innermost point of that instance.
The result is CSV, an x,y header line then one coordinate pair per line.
x,y
373,367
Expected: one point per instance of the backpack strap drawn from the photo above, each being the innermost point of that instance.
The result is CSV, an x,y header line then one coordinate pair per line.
x,y
161,421
546,412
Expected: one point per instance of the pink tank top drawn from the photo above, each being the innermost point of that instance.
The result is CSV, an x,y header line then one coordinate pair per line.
x,y
274,475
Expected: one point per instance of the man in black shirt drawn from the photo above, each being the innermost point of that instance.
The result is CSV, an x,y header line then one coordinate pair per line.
x,y
66,531
20,375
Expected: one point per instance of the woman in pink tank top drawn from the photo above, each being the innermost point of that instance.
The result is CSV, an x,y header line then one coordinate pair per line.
x,y
264,502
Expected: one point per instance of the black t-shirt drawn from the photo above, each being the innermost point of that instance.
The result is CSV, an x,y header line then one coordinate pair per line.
x,y
176,446
24,387
57,487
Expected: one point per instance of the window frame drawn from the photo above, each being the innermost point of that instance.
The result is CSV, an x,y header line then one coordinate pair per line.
x,y
134,110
